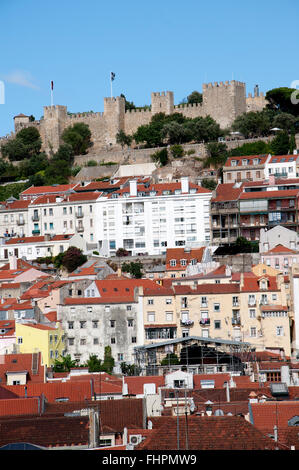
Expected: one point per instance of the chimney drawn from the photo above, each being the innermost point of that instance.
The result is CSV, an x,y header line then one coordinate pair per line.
x,y
227,392
271,180
133,188
185,184
119,272
13,262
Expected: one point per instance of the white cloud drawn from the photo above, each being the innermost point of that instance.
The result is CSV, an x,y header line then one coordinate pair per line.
x,y
21,78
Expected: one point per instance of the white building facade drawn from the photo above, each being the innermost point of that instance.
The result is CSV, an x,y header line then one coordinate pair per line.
x,y
149,218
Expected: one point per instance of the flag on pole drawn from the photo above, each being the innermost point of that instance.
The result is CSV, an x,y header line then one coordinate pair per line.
x,y
112,76
52,85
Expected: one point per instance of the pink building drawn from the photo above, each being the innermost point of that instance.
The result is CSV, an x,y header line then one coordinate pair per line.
x,y
280,257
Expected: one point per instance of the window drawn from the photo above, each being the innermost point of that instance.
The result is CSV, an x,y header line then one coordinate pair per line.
x,y
120,357
130,322
95,340
217,324
184,302
204,302
252,313
235,301
279,331
71,341
95,324
64,211
70,325
205,332
83,324
129,308
253,332
150,301
172,262
83,341
179,383
112,323
89,309
168,301
20,340
51,226
151,317
113,341
107,308
134,339
169,316
216,307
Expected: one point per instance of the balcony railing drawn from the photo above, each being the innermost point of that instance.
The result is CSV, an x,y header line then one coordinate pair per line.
x,y
236,321
79,215
187,322
205,321
36,232
80,228
20,222
35,218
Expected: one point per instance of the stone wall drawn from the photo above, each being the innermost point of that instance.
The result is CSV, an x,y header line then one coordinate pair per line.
x,y
223,101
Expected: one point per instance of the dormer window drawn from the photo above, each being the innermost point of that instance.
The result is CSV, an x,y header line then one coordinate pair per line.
x,y
183,262
172,262
255,161
263,283
233,163
244,162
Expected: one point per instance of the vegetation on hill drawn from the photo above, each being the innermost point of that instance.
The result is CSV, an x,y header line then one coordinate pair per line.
x,y
176,129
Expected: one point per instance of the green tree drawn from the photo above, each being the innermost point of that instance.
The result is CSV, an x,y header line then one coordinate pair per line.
x,y
252,124
73,258
134,268
161,157
108,363
65,364
30,137
194,97
253,148
217,155
94,364
128,104
177,151
14,150
280,99
129,369
123,139
286,122
78,137
170,359
209,184
175,133
280,145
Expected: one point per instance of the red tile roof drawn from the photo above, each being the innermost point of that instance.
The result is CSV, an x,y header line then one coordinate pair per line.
x,y
280,249
19,406
20,204
278,194
36,190
38,239
21,362
206,433
251,283
159,188
74,197
266,415
136,384
227,192
262,159
179,254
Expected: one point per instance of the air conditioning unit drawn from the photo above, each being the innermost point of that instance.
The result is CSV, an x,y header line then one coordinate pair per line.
x,y
135,439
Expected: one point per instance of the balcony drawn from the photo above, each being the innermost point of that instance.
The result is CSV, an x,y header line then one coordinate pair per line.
x,y
36,232
20,222
79,215
80,228
187,322
236,321
35,218
205,322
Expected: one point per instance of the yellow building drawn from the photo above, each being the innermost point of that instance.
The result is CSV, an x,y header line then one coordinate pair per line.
x,y
48,340
251,308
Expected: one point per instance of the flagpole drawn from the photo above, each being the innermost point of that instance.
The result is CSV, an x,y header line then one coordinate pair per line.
x,y
51,93
111,84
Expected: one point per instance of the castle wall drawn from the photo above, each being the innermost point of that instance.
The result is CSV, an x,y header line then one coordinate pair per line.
x,y
136,118
255,103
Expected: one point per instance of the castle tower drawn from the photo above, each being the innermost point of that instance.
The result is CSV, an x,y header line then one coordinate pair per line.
x,y
114,113
20,121
52,126
224,101
162,102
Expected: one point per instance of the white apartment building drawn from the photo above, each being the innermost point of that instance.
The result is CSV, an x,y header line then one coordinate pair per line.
x,y
14,218
281,166
64,214
149,218
31,248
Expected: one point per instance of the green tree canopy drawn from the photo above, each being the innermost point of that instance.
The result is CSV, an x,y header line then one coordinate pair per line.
x,y
108,363
73,258
134,268
252,124
78,137
65,364
194,97
280,99
280,145
123,139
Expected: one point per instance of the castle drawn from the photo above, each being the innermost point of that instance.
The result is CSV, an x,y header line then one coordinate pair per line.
x,y
223,101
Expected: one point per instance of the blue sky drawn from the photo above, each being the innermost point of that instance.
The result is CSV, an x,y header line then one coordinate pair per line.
x,y
151,46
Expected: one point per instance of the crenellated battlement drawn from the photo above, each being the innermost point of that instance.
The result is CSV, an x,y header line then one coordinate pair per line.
x,y
188,105
138,110
225,84
85,115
